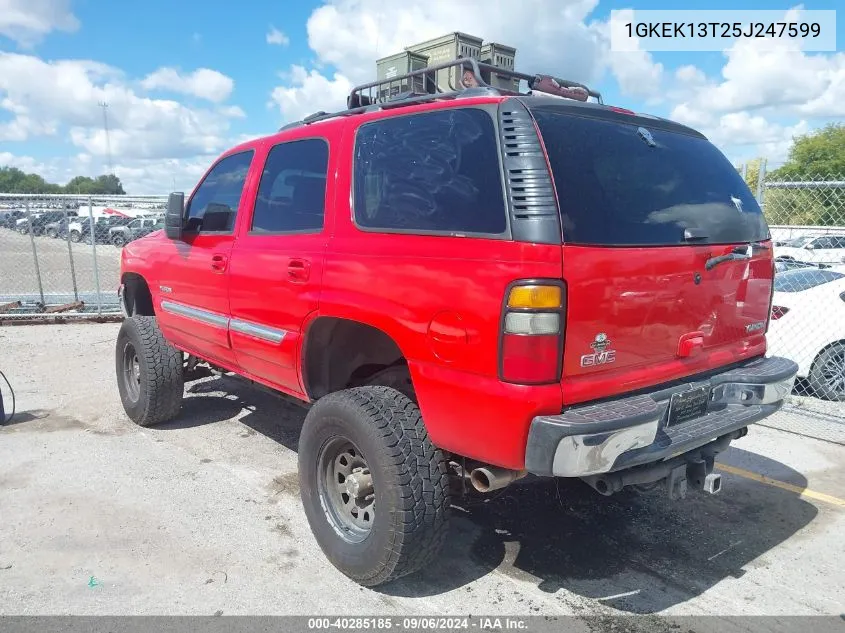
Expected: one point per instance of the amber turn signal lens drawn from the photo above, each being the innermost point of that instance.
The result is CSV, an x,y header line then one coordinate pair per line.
x,y
534,297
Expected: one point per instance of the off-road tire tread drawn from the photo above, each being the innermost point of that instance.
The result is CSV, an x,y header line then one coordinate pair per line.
x,y
163,368
417,466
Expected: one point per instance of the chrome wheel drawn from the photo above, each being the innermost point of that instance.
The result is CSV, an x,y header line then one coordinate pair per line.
x,y
833,372
131,372
345,486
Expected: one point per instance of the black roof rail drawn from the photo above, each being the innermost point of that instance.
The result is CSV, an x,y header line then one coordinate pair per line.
x,y
472,84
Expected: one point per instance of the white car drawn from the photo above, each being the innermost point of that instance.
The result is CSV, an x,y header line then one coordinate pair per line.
x,y
808,326
819,249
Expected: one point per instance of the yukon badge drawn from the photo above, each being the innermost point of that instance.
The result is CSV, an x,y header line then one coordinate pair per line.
x,y
602,354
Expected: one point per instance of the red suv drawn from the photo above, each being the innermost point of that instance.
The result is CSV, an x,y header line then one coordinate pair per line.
x,y
469,286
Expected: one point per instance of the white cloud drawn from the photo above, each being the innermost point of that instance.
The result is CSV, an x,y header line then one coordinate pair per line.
x,y
45,98
634,70
275,36
28,21
309,92
203,83
551,36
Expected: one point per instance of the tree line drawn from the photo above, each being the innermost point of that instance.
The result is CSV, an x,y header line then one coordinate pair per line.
x,y
13,180
818,157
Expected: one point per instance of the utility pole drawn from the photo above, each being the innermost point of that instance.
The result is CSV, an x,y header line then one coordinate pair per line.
x,y
105,106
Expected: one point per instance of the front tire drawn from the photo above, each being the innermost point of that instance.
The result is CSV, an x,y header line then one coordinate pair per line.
x,y
118,240
75,237
149,372
374,488
827,375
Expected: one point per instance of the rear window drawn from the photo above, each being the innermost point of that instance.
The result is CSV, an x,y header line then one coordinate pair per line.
x,y
433,172
804,279
629,185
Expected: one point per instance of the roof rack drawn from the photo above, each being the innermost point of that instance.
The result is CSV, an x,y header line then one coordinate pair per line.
x,y
421,85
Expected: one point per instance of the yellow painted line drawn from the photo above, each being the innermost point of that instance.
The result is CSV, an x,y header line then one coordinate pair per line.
x,y
803,492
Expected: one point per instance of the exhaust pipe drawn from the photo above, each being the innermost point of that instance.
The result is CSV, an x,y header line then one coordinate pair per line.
x,y
490,478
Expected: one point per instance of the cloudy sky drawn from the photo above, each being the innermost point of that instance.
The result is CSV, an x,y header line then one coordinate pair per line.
x,y
186,80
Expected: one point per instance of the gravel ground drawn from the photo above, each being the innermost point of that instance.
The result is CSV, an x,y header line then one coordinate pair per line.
x,y
18,279
202,516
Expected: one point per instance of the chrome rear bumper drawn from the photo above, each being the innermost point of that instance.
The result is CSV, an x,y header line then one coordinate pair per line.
x,y
617,434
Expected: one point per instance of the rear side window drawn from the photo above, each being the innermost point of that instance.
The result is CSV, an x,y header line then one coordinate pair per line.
x,y
435,172
625,184
292,193
804,279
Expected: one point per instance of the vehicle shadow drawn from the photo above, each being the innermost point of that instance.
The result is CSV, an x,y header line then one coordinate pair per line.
x,y
636,552
216,399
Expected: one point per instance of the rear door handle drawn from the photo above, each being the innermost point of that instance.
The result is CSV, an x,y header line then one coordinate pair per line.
x,y
218,263
299,270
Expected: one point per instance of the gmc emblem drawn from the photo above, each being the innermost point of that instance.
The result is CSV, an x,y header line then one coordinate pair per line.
x,y
598,358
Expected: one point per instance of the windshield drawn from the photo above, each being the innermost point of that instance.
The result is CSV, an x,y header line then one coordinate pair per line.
x,y
804,279
623,184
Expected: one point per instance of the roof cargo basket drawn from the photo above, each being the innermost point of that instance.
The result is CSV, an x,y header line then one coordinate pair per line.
x,y
472,74
470,78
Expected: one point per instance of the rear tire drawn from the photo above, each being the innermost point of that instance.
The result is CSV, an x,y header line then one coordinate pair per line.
x,y
149,372
75,237
827,375
398,377
374,440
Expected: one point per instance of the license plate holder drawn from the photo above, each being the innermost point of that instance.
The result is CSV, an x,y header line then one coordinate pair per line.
x,y
687,405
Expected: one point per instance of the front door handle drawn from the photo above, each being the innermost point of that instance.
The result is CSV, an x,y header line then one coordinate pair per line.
x,y
218,263
299,270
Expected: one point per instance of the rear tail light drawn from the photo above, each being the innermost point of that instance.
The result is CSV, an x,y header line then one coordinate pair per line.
x,y
532,334
778,312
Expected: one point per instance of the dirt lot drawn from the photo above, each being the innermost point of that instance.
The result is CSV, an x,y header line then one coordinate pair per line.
x,y
18,279
202,516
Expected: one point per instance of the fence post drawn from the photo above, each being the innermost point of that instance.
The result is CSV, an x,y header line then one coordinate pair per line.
x,y
34,252
94,254
761,177
70,253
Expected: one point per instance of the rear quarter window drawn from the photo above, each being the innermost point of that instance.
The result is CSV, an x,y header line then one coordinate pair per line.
x,y
433,172
622,184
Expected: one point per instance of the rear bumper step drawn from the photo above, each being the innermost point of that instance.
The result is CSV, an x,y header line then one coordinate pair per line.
x,y
619,434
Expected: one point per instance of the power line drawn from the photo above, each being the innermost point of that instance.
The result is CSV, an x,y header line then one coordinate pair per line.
x,y
105,106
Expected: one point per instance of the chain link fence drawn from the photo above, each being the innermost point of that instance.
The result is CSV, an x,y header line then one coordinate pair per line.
x,y
60,255
807,220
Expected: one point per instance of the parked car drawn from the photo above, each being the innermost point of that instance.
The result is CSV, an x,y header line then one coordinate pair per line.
x,y
139,227
827,249
59,228
808,326
9,218
80,228
38,221
456,318
782,265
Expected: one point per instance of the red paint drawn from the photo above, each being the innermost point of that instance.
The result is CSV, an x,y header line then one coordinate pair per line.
x,y
440,299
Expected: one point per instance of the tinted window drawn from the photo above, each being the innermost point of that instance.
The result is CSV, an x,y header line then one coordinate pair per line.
x,y
437,171
804,279
620,186
292,193
215,203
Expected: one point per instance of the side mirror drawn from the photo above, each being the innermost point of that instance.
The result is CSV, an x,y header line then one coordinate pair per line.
x,y
809,247
174,216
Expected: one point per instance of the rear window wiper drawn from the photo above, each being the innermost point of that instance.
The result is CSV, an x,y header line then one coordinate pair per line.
x,y
737,253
